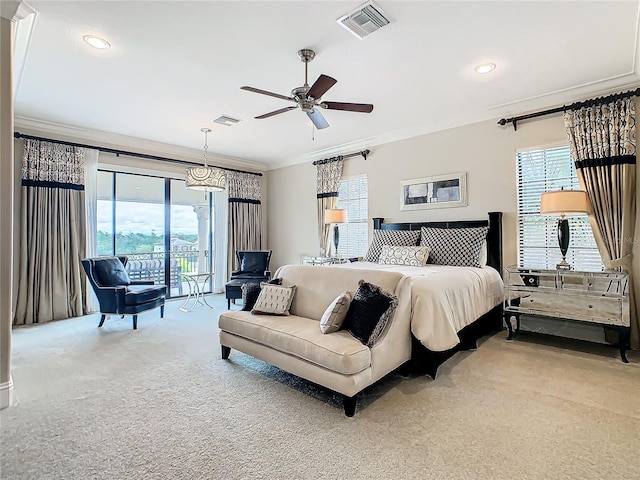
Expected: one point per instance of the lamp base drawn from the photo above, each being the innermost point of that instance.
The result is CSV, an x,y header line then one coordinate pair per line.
x,y
336,239
563,265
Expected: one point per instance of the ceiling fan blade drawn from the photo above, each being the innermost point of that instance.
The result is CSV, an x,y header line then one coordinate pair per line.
x,y
321,85
350,107
318,120
276,112
264,92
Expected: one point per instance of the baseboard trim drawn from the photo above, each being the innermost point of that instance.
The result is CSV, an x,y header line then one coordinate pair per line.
x,y
6,394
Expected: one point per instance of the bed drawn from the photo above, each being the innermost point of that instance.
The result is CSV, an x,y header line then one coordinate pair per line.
x,y
452,306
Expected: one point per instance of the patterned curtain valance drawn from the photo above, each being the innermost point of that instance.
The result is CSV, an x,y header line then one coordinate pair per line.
x,y
328,178
243,187
47,164
602,134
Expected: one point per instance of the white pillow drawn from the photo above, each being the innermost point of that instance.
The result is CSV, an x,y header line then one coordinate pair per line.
x,y
414,256
335,313
274,299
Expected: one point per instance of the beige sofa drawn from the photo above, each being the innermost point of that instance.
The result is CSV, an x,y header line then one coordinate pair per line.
x,y
295,343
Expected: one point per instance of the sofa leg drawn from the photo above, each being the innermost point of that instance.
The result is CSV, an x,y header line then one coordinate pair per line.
x,y
161,311
349,405
135,322
225,352
102,319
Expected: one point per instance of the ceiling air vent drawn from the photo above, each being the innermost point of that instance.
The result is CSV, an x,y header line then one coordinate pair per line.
x,y
226,120
364,20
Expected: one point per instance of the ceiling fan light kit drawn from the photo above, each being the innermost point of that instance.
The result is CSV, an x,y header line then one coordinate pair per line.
x,y
309,98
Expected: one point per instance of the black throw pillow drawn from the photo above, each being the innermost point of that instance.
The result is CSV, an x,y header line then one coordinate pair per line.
x,y
251,291
369,312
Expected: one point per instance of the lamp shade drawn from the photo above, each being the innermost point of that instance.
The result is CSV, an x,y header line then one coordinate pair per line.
x,y
335,215
565,202
208,179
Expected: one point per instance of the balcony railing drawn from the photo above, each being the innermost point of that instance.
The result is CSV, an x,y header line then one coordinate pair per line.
x,y
150,266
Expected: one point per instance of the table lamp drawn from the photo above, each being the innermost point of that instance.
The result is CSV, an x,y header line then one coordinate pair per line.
x,y
335,216
564,203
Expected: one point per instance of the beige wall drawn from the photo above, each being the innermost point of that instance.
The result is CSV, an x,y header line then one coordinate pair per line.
x,y
484,150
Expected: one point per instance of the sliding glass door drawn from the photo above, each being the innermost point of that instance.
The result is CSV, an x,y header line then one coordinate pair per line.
x,y
163,228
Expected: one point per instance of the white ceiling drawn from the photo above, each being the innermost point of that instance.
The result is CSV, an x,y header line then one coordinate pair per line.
x,y
175,66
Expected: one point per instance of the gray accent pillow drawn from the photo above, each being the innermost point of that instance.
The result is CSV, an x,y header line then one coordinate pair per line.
x,y
390,237
458,247
335,313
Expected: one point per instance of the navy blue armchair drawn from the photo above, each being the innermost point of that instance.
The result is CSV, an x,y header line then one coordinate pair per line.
x,y
119,295
252,265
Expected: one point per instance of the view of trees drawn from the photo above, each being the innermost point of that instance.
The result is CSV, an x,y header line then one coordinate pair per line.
x,y
135,242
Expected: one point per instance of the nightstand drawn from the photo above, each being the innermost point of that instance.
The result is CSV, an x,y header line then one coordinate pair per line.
x,y
593,297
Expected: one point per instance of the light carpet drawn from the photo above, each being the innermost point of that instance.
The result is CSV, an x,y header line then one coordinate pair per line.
x,y
159,403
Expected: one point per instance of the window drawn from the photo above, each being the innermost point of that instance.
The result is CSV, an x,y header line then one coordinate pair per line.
x,y
542,170
353,196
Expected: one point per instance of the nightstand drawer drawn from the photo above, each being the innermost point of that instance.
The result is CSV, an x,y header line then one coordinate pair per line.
x,y
589,309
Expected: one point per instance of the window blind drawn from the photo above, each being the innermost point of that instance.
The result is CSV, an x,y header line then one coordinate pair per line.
x,y
353,197
541,170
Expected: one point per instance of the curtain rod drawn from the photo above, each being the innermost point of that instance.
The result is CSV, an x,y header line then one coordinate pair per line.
x,y
573,106
364,153
129,154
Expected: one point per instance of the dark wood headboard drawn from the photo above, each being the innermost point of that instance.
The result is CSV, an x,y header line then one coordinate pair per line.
x,y
494,236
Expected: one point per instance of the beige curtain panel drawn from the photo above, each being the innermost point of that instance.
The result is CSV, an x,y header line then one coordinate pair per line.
x,y
52,234
603,145
245,215
328,181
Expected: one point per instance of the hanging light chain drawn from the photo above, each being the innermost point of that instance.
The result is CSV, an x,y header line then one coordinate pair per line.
x,y
206,147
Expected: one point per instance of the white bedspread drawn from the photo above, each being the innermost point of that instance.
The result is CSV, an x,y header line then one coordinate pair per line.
x,y
445,299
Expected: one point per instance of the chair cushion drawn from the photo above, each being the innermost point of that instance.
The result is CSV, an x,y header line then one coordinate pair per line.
x,y
254,262
300,337
137,294
110,272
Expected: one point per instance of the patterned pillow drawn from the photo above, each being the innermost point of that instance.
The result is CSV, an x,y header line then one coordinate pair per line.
x,y
369,312
395,238
250,292
274,299
414,256
335,313
454,246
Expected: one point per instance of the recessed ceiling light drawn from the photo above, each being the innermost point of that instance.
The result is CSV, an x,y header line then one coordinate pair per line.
x,y
485,68
96,42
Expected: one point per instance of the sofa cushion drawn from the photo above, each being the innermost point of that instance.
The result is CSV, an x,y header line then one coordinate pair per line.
x,y
301,338
369,312
111,272
274,299
335,313
137,294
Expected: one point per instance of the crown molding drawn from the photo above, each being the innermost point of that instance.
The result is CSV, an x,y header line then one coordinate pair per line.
x,y
123,142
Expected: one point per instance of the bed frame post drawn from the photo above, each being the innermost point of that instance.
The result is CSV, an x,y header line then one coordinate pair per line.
x,y
494,238
377,223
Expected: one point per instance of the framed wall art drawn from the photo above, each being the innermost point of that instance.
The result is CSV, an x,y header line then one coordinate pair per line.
x,y
440,191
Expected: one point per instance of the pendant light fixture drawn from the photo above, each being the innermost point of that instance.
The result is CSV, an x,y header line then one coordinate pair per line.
x,y
208,179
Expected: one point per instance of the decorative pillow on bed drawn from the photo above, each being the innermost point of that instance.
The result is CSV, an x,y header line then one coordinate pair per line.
x,y
335,313
250,292
395,238
274,299
414,256
369,312
454,246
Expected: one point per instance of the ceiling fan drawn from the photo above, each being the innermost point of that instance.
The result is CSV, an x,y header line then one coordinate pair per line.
x,y
308,98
